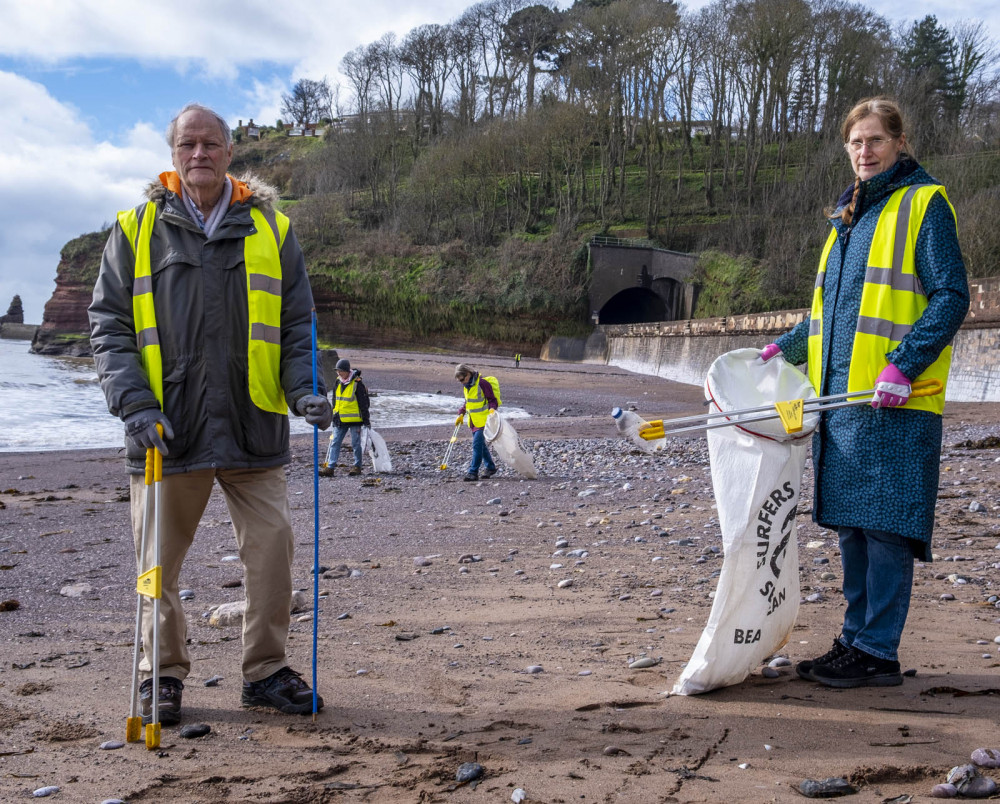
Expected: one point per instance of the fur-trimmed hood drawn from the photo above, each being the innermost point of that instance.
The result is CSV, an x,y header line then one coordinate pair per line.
x,y
246,187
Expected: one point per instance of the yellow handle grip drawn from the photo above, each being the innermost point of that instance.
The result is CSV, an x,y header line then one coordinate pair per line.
x,y
460,419
652,431
926,387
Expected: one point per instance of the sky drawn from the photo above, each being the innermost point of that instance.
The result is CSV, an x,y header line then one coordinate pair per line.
x,y
87,88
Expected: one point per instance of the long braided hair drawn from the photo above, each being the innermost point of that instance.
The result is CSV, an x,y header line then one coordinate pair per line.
x,y
886,110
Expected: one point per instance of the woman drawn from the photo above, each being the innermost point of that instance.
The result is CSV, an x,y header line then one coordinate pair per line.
x,y
890,295
480,399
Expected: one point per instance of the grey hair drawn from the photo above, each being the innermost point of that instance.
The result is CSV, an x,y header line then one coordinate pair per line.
x,y
197,107
464,368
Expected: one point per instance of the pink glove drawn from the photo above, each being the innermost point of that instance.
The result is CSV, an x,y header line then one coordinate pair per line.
x,y
769,351
892,388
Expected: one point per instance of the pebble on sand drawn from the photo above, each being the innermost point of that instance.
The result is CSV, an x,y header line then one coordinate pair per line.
x,y
469,771
826,788
111,745
986,757
193,730
42,792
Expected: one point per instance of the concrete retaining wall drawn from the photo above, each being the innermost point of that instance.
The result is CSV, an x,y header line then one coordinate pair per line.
x,y
683,350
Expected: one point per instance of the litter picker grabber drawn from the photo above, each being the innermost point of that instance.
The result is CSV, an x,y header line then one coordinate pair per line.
x,y
315,635
451,442
149,584
790,412
133,726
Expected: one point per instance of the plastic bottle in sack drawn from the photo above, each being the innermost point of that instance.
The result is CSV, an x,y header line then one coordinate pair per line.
x,y
628,424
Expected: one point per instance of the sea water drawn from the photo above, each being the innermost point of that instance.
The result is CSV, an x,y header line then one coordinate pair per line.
x,y
53,403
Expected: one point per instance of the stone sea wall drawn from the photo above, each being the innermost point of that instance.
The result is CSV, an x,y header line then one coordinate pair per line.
x,y
683,350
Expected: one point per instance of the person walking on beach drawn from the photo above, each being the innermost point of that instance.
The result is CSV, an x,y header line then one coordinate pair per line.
x,y
890,295
201,323
480,399
350,413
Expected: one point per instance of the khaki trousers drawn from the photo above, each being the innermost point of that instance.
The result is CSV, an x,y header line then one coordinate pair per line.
x,y
258,505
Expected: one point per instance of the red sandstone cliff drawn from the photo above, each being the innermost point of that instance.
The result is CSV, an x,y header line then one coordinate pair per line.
x,y
65,328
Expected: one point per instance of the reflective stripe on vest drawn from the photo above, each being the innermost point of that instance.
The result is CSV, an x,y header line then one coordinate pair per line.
x,y
347,403
143,312
261,254
475,404
892,299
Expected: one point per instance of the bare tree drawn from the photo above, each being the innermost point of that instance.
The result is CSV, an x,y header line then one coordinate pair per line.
x,y
426,58
308,102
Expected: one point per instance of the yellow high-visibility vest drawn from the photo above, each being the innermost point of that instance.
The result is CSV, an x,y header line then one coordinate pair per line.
x,y
262,256
475,404
347,403
892,299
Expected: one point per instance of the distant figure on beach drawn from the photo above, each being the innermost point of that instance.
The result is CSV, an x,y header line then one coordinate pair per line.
x,y
517,360
350,414
201,322
893,268
480,399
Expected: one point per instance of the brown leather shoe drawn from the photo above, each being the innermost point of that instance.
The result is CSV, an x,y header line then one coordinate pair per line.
x,y
326,471
355,470
168,702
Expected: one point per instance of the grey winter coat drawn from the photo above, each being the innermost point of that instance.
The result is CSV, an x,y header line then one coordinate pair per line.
x,y
200,297
878,469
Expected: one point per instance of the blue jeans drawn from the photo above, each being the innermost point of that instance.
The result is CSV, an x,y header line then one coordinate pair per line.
x,y
480,453
878,577
333,452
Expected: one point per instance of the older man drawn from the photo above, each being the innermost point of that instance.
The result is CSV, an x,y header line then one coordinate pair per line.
x,y
201,323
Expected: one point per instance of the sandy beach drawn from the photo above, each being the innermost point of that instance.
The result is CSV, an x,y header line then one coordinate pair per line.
x,y
440,601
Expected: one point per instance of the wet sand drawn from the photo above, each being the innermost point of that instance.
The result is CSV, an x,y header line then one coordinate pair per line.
x,y
429,667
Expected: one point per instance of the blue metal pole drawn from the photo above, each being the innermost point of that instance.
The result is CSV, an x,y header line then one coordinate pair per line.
x,y
315,378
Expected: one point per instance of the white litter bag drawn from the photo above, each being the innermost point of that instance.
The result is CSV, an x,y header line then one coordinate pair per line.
x,y
374,445
501,435
756,474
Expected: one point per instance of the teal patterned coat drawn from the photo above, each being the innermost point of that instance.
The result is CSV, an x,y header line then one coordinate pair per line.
x,y
878,469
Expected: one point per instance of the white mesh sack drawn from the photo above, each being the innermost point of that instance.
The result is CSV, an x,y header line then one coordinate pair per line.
x,y
756,475
374,445
501,435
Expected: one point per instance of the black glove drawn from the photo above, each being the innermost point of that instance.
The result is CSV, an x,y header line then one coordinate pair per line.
x,y
336,420
316,410
141,428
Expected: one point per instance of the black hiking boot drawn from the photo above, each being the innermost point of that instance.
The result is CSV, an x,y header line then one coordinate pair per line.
x,y
486,474
284,690
805,667
858,669
168,702
471,477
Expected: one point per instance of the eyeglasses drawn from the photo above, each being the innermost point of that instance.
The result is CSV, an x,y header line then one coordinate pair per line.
x,y
875,144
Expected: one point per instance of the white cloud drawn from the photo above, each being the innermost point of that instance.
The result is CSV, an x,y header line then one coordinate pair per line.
x,y
220,36
57,182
